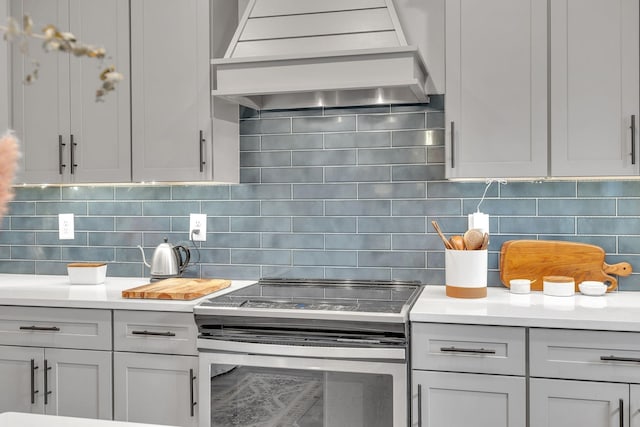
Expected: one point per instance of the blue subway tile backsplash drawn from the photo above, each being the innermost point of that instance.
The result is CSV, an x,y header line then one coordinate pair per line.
x,y
325,193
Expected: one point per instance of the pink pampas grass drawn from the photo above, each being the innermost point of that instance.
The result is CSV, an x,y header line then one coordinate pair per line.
x,y
9,154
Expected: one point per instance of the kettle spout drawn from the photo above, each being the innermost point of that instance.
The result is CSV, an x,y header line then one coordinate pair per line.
x,y
143,257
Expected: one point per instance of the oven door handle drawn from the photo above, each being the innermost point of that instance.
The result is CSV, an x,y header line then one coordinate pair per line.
x,y
384,353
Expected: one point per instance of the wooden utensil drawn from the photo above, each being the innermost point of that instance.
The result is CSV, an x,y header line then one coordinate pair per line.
x,y
534,259
444,239
457,242
485,241
473,239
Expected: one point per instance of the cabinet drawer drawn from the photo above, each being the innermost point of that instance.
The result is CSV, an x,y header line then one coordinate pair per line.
x,y
154,332
588,355
468,348
56,327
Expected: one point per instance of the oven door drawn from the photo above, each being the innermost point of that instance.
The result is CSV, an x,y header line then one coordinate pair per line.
x,y
265,385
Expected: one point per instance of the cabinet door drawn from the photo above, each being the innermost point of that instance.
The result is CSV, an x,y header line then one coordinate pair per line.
x,y
445,399
634,406
101,130
171,93
155,388
66,135
565,403
496,86
79,382
21,388
5,72
41,109
595,77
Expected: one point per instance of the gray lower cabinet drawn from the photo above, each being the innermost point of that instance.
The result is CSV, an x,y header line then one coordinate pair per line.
x,y
155,388
451,399
584,378
75,383
466,375
566,403
56,361
155,368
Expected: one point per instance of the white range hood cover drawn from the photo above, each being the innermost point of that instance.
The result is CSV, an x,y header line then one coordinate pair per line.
x,y
310,53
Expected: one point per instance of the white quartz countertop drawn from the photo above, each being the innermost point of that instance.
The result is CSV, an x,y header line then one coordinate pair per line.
x,y
17,419
619,311
56,291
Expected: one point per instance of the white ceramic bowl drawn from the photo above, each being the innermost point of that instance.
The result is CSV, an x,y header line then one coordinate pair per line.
x,y
520,286
86,273
589,287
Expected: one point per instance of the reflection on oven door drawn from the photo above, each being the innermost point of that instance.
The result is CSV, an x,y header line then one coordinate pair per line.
x,y
253,397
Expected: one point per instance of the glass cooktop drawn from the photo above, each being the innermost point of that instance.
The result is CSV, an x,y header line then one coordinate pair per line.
x,y
321,295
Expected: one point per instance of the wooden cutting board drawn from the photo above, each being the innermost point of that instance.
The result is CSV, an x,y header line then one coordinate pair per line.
x,y
534,259
177,288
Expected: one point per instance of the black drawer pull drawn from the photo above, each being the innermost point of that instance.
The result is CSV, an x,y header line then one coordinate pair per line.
x,y
467,350
47,392
155,334
620,359
419,405
633,139
192,379
621,413
33,381
40,328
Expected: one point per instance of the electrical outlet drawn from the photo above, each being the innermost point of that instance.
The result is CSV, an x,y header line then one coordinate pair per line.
x,y
198,227
66,229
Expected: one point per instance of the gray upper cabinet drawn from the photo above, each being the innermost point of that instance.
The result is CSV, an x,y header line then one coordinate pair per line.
x,y
170,96
496,88
4,72
66,135
595,79
505,118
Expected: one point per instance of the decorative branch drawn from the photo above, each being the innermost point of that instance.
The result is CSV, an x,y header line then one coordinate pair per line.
x,y
9,155
55,40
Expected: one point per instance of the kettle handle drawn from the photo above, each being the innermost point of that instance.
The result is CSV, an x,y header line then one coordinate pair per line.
x,y
183,262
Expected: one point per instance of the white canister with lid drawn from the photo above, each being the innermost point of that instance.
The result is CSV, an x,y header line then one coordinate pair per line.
x,y
520,286
558,286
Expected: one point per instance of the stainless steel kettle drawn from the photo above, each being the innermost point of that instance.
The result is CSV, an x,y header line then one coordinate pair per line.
x,y
167,261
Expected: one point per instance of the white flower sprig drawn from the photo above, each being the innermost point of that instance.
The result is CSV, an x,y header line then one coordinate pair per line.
x,y
56,40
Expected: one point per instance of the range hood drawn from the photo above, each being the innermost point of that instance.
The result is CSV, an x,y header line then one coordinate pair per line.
x,y
329,53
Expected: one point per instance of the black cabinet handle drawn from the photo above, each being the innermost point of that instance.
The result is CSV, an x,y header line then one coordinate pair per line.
x,y
633,139
73,145
419,405
47,392
192,379
61,145
201,142
453,146
619,359
466,350
40,328
621,415
157,334
33,381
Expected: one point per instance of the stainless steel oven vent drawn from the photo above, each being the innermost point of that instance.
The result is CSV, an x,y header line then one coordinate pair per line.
x,y
308,53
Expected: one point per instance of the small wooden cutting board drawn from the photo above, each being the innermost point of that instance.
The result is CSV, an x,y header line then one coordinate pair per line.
x,y
534,259
177,288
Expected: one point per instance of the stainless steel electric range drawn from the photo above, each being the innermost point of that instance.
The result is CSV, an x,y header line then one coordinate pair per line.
x,y
306,352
